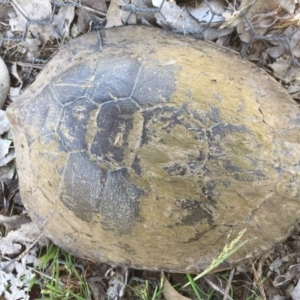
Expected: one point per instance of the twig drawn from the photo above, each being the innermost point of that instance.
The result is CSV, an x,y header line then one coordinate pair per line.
x,y
257,277
229,284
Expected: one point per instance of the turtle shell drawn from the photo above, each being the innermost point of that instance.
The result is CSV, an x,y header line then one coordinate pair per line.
x,y
143,148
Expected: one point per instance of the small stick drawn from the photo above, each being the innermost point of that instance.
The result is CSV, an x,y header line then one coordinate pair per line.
x,y
229,284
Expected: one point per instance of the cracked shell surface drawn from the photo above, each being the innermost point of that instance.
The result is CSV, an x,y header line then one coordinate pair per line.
x,y
142,148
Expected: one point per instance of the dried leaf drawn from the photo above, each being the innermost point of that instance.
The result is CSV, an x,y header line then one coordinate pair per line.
x,y
269,289
180,18
262,15
203,13
118,283
275,265
15,92
5,155
294,271
6,12
281,280
235,17
82,23
4,82
216,283
282,70
16,25
295,293
98,5
138,17
277,51
278,297
294,244
63,20
14,222
14,72
6,172
169,292
113,15
8,266
4,124
26,234
31,48
33,10
295,44
8,247
16,286
97,288
14,276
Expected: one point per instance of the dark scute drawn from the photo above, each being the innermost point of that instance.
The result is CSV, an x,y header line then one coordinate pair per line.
x,y
114,79
198,117
72,83
73,124
220,131
253,176
114,119
158,76
174,119
208,191
229,166
136,165
176,170
44,112
216,152
153,116
197,212
202,156
214,114
82,186
148,116
196,167
88,190
209,118
120,205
